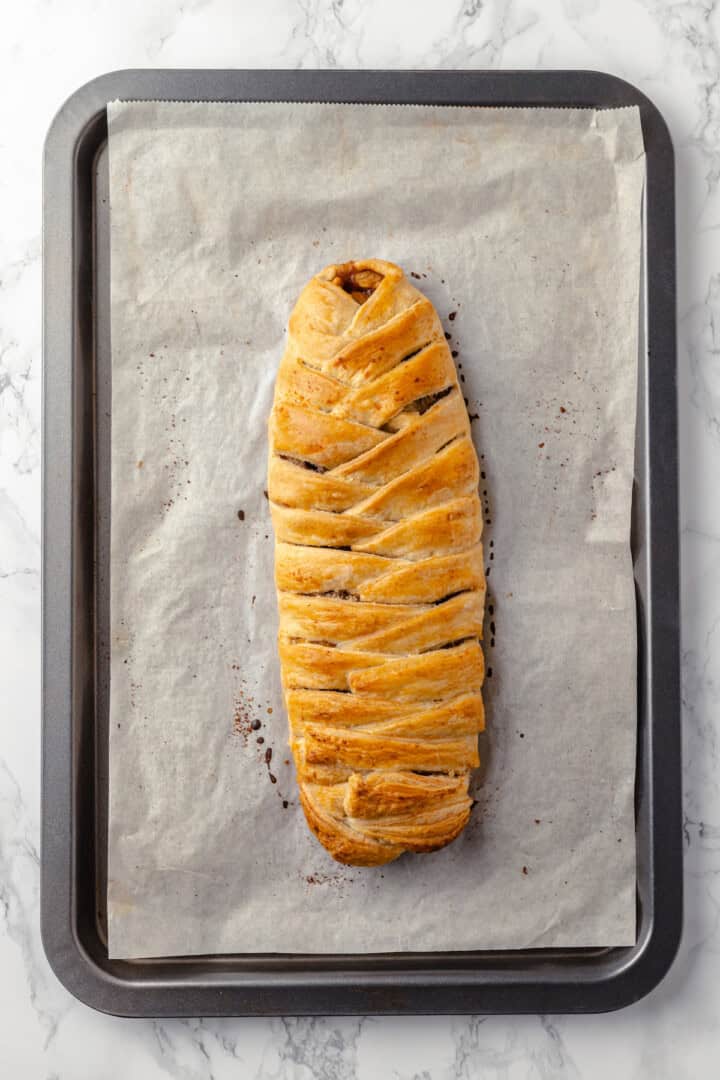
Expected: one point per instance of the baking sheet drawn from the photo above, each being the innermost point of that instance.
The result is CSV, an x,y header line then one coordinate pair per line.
x,y
524,226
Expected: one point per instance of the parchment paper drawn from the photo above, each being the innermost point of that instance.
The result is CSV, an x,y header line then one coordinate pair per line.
x,y
524,228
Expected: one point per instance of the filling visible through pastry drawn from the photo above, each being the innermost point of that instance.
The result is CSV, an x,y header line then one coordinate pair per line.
x,y
373,488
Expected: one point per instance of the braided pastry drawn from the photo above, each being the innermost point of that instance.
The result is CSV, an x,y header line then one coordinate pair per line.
x,y
373,490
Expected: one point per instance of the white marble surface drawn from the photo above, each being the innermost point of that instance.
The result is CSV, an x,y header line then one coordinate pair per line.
x,y
671,50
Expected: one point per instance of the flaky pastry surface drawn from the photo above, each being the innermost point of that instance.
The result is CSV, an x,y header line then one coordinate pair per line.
x,y
373,482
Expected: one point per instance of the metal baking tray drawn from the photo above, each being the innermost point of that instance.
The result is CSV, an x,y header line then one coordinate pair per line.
x,y
75,597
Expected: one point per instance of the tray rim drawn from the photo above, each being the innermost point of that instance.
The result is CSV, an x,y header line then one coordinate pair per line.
x,y
624,975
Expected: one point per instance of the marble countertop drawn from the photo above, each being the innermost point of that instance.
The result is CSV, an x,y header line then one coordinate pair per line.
x,y
671,50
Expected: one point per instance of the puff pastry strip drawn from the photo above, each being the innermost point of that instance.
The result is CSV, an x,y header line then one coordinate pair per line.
x,y
372,483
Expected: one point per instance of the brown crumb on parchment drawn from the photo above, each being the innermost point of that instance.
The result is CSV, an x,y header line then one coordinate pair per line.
x,y
338,880
247,723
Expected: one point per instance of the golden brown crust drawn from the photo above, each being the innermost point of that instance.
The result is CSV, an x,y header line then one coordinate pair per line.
x,y
373,489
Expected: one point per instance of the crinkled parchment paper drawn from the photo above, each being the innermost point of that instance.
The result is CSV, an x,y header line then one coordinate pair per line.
x,y
524,229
